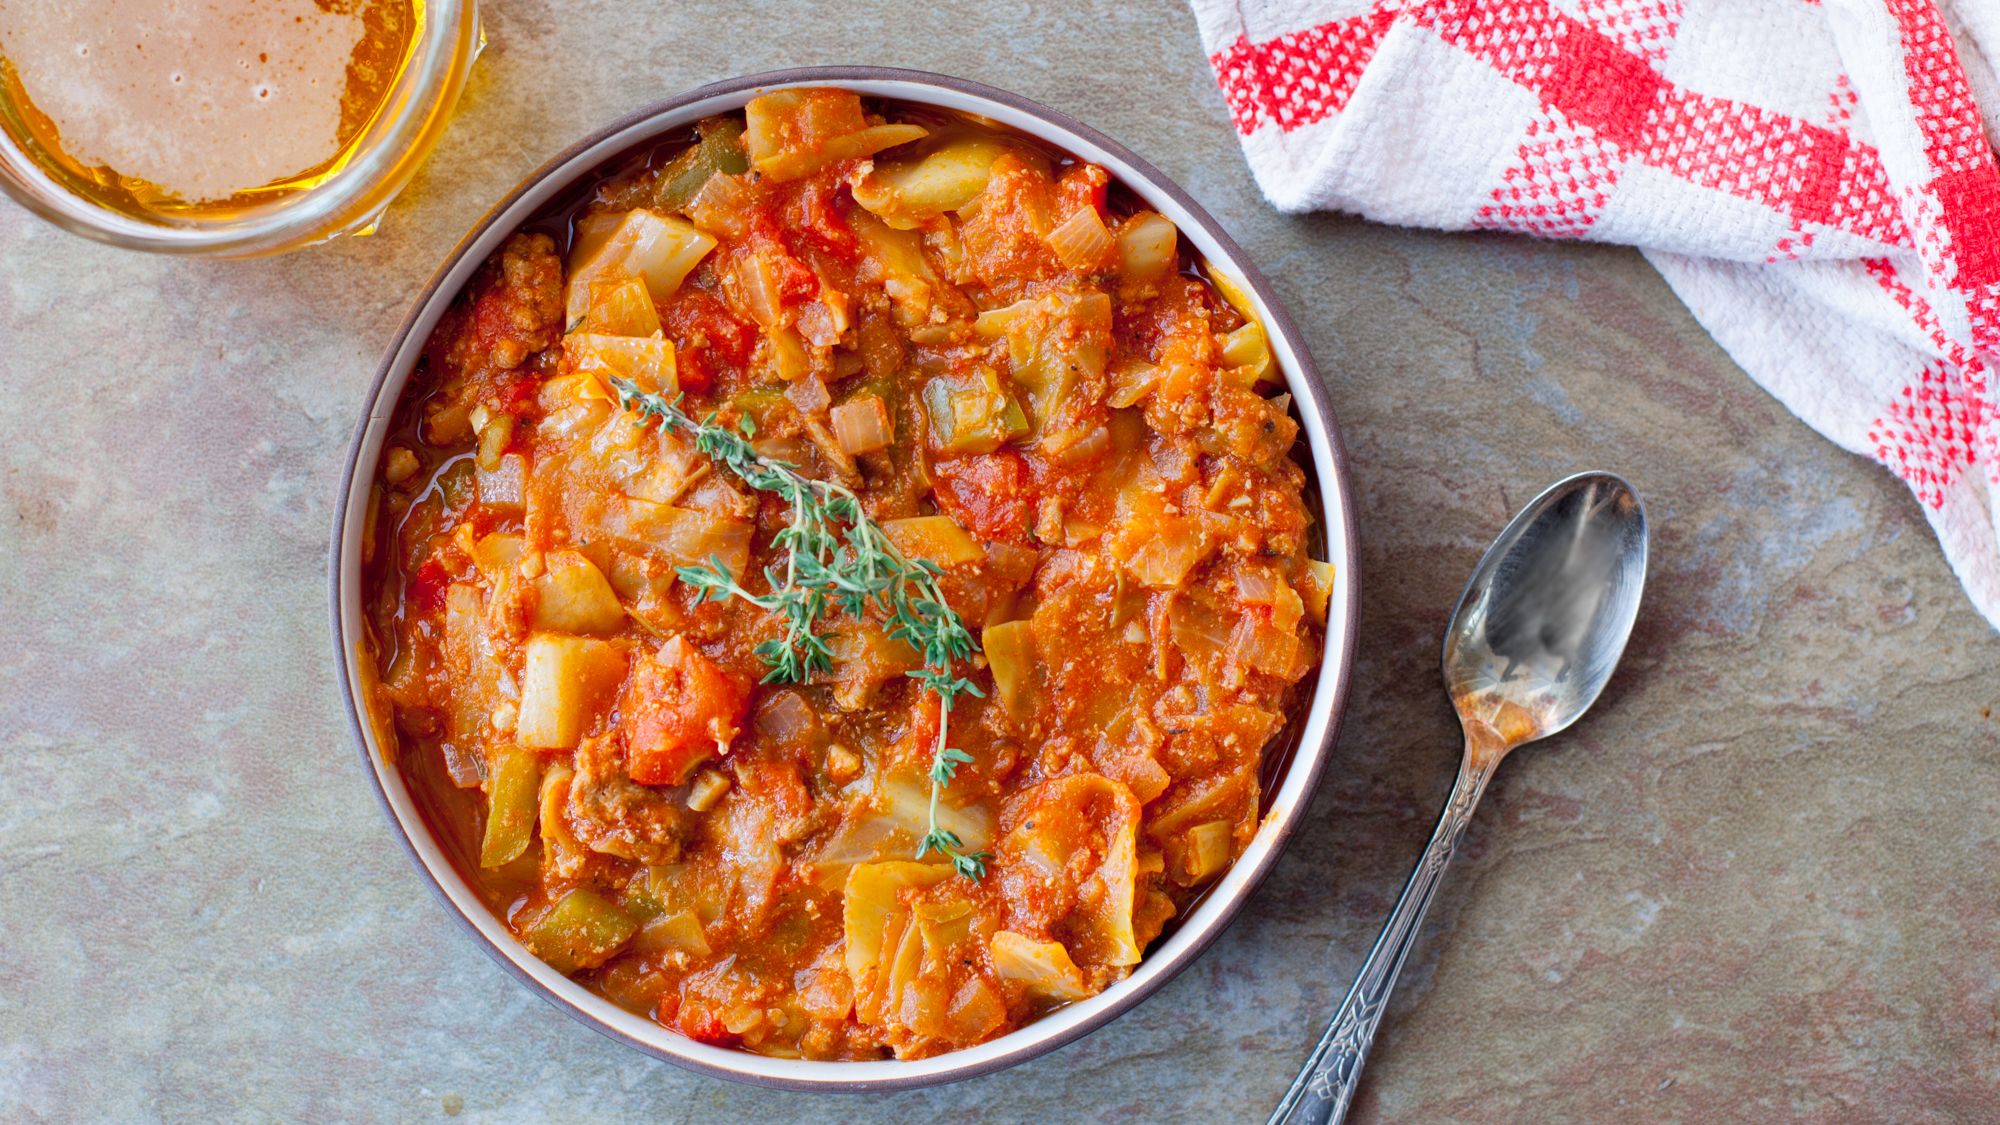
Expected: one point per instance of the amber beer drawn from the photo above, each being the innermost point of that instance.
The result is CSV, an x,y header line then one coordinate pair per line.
x,y
179,104
195,113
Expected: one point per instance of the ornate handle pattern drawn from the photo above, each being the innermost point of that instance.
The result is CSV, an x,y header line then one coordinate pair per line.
x,y
1324,1089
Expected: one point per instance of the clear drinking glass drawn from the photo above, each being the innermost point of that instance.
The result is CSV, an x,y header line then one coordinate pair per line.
x,y
346,198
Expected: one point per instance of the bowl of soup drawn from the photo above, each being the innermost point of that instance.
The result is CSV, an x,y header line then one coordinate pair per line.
x,y
846,580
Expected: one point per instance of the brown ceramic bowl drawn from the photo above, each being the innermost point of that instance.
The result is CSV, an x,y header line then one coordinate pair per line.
x,y
1294,762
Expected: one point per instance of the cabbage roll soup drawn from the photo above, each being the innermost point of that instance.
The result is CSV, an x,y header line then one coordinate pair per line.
x,y
833,585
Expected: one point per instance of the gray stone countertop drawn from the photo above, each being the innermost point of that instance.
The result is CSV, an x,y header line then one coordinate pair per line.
x,y
1758,883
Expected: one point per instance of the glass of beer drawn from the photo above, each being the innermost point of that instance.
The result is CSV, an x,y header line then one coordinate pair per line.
x,y
223,128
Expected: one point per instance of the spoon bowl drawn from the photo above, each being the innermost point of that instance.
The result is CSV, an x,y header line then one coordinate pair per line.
x,y
1545,616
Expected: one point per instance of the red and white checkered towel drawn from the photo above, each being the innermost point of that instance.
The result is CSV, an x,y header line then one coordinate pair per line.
x,y
1814,179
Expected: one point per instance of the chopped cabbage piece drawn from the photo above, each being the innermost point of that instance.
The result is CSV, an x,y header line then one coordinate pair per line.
x,y
1010,655
906,194
562,852
1203,851
1044,967
645,360
622,306
870,900
793,133
937,538
640,243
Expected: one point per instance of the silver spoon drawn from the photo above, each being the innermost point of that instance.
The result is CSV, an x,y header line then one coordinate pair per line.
x,y
1536,634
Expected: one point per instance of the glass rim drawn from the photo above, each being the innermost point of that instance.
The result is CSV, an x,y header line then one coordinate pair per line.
x,y
446,40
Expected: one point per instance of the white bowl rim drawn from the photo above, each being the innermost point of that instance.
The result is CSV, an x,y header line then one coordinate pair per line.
x,y
1192,934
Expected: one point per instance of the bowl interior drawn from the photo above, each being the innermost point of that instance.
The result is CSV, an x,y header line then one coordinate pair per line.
x,y
1308,740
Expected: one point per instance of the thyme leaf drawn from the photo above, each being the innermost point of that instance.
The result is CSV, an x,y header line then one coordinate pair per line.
x,y
834,558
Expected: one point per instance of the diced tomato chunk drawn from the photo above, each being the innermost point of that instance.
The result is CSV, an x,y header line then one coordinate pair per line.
x,y
990,494
1082,186
427,586
797,283
704,1026
679,709
710,338
517,394
817,217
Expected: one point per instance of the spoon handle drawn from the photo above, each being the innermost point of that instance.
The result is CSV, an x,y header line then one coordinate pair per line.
x,y
1324,1089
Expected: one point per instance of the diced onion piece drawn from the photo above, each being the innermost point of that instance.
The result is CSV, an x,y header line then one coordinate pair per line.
x,y
906,194
1011,562
751,281
580,932
648,362
788,720
511,794
622,306
784,354
646,244
976,1010
562,852
1319,590
1262,586
501,486
564,682
708,788
1044,967
1011,657
722,205
1258,585
936,538
1146,247
1199,632
862,425
1080,240
496,552
809,395
572,596
495,431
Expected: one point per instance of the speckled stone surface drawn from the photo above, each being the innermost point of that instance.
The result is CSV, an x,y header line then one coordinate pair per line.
x,y
1757,884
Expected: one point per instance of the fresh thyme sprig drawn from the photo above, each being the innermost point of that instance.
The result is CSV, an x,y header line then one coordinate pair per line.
x,y
835,557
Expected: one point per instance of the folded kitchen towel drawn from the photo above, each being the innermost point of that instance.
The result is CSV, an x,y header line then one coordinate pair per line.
x,y
1814,179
